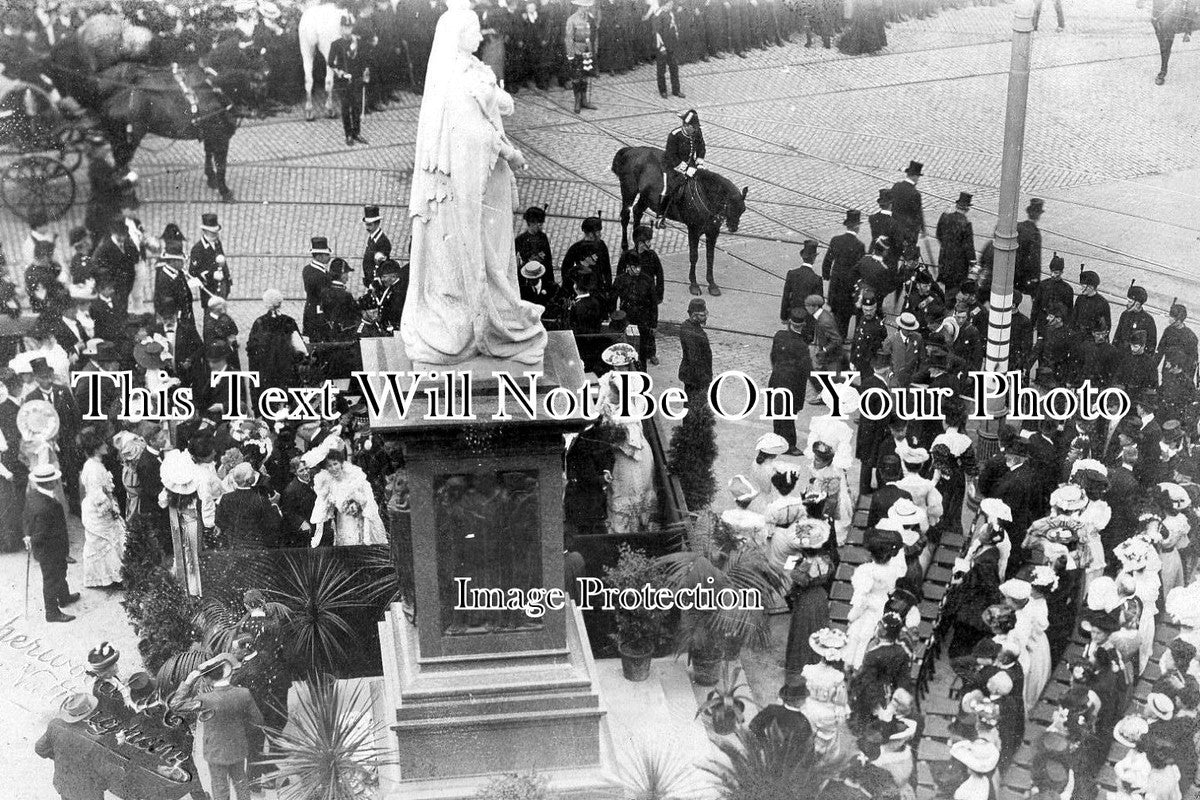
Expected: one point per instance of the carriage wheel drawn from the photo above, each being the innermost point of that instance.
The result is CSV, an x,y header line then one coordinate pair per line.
x,y
38,185
70,146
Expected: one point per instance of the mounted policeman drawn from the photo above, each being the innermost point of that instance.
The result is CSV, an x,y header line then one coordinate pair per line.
x,y
682,157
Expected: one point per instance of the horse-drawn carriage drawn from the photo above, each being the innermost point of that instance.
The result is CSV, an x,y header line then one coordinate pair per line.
x,y
40,149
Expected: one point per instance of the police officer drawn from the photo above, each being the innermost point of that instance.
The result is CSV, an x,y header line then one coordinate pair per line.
x,y
579,40
869,332
683,155
348,60
378,249
1133,319
208,262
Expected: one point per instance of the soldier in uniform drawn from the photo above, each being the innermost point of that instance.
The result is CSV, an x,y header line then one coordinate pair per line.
x,y
682,157
368,326
208,262
579,40
534,245
666,45
1053,348
316,278
394,277
801,281
1178,389
957,240
1028,269
1136,368
1179,337
1091,310
883,223
840,268
1134,318
869,332
638,296
171,282
591,253
1093,357
378,248
906,203
348,61
1050,291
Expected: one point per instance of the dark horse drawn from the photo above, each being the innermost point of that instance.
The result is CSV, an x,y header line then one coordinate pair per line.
x,y
706,202
133,99
1170,18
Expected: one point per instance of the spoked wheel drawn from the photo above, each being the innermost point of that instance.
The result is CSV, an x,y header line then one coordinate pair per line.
x,y
35,186
70,146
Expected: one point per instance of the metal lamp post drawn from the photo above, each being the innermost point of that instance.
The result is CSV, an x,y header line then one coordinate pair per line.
x,y
1004,264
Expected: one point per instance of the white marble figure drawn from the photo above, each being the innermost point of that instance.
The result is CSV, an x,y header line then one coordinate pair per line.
x,y
463,298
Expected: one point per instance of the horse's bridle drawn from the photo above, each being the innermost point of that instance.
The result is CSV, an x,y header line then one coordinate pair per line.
x,y
715,218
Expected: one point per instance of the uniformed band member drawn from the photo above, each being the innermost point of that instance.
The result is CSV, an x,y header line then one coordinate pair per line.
x,y
1179,338
957,240
316,279
394,277
590,253
348,61
1091,310
1028,269
1134,318
378,249
171,282
666,44
534,245
579,41
1050,291
683,155
369,327
801,281
906,203
840,269
208,263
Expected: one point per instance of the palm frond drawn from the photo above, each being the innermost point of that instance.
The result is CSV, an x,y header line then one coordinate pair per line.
x,y
659,774
772,767
321,594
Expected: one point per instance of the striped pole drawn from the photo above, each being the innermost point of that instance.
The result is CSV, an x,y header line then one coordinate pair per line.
x,y
1003,269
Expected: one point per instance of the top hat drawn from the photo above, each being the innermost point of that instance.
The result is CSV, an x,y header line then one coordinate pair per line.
x,y
535,214
37,365
808,251
964,200
371,214
103,657
885,197
853,217
914,168
320,244
208,222
1036,206
78,707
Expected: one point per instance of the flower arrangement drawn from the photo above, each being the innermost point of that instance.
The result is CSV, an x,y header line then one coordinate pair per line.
x,y
352,508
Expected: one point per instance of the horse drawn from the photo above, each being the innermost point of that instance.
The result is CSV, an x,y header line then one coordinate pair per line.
x,y
320,26
1169,18
706,202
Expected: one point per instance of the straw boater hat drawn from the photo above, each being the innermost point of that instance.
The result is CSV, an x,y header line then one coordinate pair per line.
x,y
78,707
533,270
1130,730
828,643
905,512
103,657
907,322
1160,706
44,473
620,354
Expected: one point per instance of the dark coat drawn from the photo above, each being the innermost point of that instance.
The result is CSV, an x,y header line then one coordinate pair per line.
x,y
870,432
316,280
799,284
1131,321
1047,293
592,254
1028,270
46,526
234,716
173,288
269,350
1022,491
349,57
957,239
377,242
791,724
109,321
69,418
296,503
249,520
885,225
696,365
638,297
536,247
203,265
11,457
189,349
791,365
666,32
585,503
1088,310
875,274
391,303
149,475
883,499
119,263
906,208
82,770
840,267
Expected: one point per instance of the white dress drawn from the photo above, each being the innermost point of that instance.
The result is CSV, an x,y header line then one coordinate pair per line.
x,y
103,527
349,502
1036,657
873,584
925,495
631,496
826,706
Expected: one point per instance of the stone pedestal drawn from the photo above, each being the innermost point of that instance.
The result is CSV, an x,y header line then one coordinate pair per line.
x,y
479,693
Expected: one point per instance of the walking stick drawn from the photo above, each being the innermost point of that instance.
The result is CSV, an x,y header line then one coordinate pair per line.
x,y
28,560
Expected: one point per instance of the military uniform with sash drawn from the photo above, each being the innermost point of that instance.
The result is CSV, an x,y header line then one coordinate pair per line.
x,y
682,156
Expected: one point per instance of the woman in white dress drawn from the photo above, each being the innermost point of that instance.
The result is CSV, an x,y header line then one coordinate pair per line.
x,y
872,582
827,706
345,499
1043,580
631,496
1139,577
180,480
103,527
1174,503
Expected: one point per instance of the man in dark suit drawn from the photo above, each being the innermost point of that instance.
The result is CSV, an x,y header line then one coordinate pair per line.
x,y
873,270
666,45
297,503
1021,491
786,717
883,223
82,770
186,347
379,247
695,367
108,318
116,257
316,280
1135,318
46,536
889,471
906,204
1090,307
348,60
149,476
840,268
394,277
18,472
871,431
341,309
801,281
791,366
1149,436
208,264
1028,269
171,281
69,421
232,718
248,519
68,330
1050,292
956,238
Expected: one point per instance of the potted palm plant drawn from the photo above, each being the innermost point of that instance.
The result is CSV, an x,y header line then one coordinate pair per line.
x,y
726,707
639,630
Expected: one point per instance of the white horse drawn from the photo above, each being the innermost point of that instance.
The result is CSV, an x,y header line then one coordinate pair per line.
x,y
320,26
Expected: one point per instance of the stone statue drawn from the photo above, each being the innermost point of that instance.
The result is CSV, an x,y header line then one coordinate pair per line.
x,y
463,299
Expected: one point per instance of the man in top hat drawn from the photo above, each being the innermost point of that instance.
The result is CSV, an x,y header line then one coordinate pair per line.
x,y
883,223
683,156
828,349
871,432
791,366
108,320
906,203
1090,309
956,238
208,263
45,526
1135,318
869,332
348,59
97,356
533,245
172,283
696,365
316,279
341,310
840,268
1053,290
394,277
378,248
1028,269
1179,337
591,253
1022,491
905,349
216,361
786,717
1053,350
232,716
873,272
579,42
81,770
63,318
801,281
116,257
666,44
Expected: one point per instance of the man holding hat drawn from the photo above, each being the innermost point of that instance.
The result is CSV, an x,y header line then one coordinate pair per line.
x,y
245,516
394,277
906,203
883,223
379,247
208,264
171,283
316,279
534,245
80,770
230,719
1180,338
791,366
682,157
840,268
1028,269
801,281
956,238
579,42
696,366
46,536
